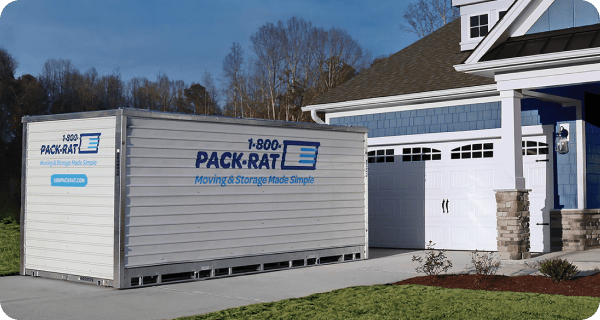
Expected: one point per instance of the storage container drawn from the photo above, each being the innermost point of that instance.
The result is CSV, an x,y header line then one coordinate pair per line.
x,y
129,198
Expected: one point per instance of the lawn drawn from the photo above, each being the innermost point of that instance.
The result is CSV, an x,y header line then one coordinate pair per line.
x,y
416,302
9,248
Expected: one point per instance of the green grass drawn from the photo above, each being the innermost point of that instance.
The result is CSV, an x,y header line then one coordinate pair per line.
x,y
416,302
10,251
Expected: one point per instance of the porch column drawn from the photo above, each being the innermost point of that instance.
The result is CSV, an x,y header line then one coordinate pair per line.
x,y
510,142
512,199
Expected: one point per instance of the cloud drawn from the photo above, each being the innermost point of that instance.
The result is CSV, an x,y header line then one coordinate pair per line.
x,y
4,3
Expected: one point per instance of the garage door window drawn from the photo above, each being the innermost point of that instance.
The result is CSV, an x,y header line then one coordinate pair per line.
x,y
532,148
383,155
421,154
473,151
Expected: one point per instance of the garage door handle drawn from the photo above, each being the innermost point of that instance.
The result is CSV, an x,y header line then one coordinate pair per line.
x,y
542,224
542,160
447,201
443,210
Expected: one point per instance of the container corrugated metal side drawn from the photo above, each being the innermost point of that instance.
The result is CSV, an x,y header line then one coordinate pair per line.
x,y
69,197
177,212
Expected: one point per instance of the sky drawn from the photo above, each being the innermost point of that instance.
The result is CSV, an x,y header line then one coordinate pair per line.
x,y
181,38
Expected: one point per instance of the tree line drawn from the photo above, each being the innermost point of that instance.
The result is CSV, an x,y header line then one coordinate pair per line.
x,y
291,64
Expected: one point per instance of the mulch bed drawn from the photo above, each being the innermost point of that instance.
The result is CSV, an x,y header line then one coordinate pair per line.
x,y
579,286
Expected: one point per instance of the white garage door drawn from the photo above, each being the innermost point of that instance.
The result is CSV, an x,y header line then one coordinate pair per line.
x,y
444,192
440,191
539,178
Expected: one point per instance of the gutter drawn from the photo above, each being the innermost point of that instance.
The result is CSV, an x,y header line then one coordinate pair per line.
x,y
315,117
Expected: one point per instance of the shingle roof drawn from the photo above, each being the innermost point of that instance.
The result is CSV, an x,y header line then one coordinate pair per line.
x,y
426,65
547,42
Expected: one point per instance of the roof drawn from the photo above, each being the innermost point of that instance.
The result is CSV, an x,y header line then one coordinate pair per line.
x,y
547,42
426,65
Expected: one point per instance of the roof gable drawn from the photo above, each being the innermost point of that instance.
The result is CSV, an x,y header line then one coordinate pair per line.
x,y
426,65
563,14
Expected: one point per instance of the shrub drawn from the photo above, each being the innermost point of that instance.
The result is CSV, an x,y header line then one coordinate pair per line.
x,y
435,261
558,269
486,264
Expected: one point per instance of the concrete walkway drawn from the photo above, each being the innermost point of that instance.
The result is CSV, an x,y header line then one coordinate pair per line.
x,y
24,297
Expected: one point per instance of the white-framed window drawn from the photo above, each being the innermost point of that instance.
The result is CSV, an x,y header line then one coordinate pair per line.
x,y
473,151
532,148
501,14
421,154
383,155
479,26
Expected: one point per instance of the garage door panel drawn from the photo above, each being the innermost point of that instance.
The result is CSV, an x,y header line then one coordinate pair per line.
x,y
433,208
412,236
435,234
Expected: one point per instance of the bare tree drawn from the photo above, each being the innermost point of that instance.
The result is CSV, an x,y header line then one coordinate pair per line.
x,y
267,43
210,94
426,16
234,78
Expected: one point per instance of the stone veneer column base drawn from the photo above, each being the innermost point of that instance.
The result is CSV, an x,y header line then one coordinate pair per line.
x,y
574,229
512,216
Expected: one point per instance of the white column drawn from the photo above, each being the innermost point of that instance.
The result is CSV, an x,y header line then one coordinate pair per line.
x,y
510,151
581,160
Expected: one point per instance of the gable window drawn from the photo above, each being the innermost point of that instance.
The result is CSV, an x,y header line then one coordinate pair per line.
x,y
501,15
479,26
383,155
531,148
421,154
473,151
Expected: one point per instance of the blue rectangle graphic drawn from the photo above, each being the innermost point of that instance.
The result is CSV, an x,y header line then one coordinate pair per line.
x,y
299,155
68,180
89,142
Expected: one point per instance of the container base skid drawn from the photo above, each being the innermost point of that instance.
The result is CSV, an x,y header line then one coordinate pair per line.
x,y
202,270
68,277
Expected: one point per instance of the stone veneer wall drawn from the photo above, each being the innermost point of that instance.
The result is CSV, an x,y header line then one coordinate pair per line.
x,y
574,229
512,215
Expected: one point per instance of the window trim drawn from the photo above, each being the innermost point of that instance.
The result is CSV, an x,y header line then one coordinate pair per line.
x,y
479,26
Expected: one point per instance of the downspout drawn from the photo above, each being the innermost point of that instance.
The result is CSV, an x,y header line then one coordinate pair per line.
x,y
315,117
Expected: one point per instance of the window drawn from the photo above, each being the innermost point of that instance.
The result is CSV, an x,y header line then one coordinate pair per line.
x,y
421,154
501,15
532,148
479,26
382,155
473,151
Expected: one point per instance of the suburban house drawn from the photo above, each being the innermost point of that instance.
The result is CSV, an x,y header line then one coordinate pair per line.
x,y
484,134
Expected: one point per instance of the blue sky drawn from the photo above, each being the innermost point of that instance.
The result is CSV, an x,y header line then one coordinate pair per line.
x,y
181,38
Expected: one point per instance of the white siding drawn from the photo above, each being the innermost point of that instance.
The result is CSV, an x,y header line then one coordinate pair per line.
x,y
171,219
69,227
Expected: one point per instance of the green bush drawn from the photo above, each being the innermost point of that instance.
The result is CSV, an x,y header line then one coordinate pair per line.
x,y
485,264
435,261
558,269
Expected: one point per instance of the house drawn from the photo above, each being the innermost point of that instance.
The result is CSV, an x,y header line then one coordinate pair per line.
x,y
484,134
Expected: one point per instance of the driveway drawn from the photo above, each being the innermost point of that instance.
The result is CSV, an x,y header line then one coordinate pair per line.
x,y
25,297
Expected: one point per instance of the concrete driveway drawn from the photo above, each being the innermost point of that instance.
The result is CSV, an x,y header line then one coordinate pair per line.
x,y
25,297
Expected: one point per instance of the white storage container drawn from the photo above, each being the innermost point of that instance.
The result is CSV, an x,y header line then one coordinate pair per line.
x,y
128,198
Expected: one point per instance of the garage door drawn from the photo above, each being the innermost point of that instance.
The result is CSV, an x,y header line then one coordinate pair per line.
x,y
539,178
440,191
444,192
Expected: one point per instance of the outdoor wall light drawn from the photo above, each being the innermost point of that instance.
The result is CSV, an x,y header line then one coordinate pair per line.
x,y
562,139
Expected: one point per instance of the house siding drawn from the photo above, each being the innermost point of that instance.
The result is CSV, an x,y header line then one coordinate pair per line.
x,y
563,14
432,120
566,172
592,139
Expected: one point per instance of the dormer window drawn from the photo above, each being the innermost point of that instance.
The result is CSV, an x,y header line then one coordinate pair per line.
x,y
501,15
479,26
